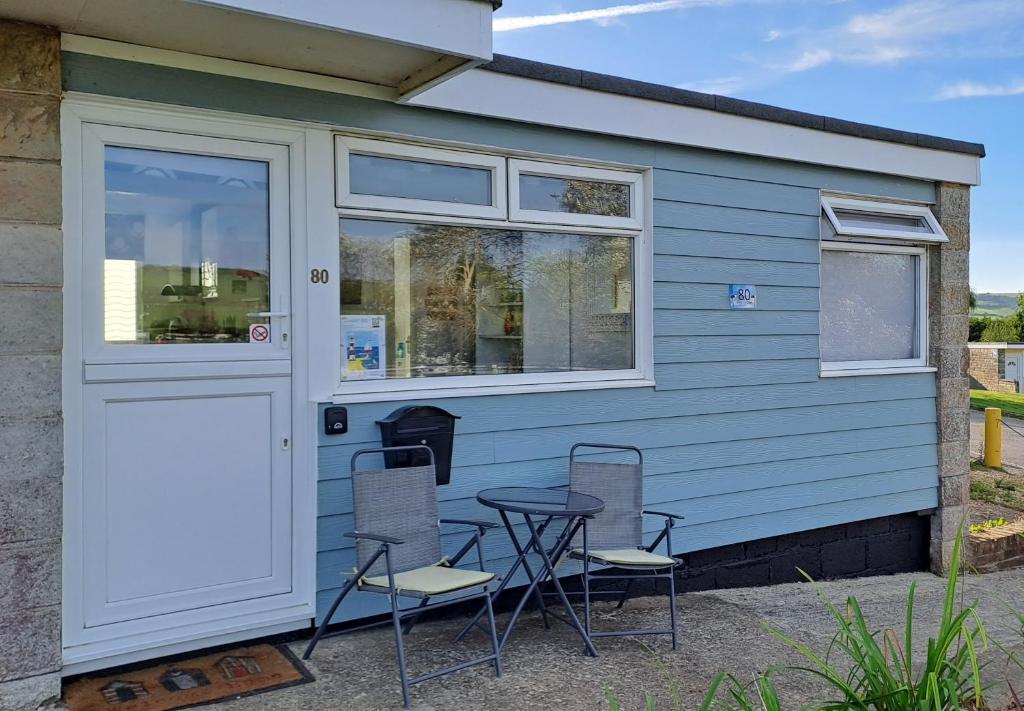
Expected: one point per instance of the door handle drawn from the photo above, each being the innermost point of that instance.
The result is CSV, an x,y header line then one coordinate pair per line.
x,y
269,314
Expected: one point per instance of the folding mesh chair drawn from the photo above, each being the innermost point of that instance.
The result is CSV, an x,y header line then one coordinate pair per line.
x,y
398,553
613,538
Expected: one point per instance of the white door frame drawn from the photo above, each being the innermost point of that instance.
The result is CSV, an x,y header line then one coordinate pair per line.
x,y
205,627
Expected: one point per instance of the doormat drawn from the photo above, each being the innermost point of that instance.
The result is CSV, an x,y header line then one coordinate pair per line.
x,y
193,681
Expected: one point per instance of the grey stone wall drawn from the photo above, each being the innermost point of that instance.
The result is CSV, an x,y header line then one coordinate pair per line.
x,y
949,297
31,460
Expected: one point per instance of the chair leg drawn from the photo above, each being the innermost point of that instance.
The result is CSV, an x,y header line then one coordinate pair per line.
x,y
672,606
495,647
625,594
327,618
400,644
586,581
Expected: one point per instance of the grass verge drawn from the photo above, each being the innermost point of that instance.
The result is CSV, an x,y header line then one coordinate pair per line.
x,y
1011,404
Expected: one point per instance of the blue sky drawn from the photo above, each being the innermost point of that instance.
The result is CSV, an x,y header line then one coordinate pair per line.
x,y
951,68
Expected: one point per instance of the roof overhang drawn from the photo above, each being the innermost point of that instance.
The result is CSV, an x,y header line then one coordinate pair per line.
x,y
552,103
404,46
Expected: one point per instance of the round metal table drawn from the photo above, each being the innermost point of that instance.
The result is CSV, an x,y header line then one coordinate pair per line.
x,y
546,505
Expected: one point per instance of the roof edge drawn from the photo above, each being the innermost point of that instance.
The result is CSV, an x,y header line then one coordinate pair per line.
x,y
580,78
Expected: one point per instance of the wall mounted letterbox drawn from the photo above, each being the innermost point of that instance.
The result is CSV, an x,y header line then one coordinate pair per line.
x,y
420,424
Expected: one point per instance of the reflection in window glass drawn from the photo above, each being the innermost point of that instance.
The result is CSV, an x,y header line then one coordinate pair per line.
x,y
872,220
585,197
420,180
421,300
187,246
868,306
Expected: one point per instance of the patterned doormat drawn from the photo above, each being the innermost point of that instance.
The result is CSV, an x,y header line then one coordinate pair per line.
x,y
194,681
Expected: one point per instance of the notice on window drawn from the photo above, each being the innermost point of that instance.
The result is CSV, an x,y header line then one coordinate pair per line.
x,y
363,347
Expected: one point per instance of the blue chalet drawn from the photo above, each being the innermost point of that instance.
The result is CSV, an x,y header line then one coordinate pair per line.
x,y
260,211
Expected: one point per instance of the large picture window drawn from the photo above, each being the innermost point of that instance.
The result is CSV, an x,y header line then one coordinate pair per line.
x,y
426,300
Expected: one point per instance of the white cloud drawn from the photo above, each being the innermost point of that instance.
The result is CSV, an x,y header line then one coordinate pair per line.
x,y
719,85
970,89
923,19
603,15
809,60
918,29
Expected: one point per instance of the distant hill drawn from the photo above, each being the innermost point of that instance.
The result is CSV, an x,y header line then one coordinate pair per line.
x,y
999,305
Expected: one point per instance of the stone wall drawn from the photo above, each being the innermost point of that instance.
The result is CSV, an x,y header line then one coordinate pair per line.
x,y
948,306
985,367
31,444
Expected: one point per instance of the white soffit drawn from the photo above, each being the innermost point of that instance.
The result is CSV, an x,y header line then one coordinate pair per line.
x,y
405,45
485,93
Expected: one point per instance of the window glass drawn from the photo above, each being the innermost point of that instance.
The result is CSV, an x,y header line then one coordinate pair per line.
x,y
868,306
424,300
187,246
420,180
871,220
587,197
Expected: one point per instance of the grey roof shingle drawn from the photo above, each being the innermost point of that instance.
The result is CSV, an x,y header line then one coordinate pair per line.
x,y
541,71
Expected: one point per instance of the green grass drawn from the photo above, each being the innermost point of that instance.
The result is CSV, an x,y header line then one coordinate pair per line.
x,y
1011,404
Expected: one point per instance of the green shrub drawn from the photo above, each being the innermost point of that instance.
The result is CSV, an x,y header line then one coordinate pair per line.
x,y
988,525
873,671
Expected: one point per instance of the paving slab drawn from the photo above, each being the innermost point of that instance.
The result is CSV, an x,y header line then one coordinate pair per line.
x,y
721,631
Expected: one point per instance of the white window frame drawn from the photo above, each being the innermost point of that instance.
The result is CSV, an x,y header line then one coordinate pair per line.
x,y
633,180
640,375
831,203
878,367
345,198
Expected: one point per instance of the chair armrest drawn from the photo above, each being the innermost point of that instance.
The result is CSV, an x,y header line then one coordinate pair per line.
x,y
674,517
469,522
358,535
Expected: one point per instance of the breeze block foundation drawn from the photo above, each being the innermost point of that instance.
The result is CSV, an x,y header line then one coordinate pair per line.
x,y
878,546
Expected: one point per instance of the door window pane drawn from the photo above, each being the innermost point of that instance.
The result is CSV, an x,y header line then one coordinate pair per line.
x,y
187,247
421,300
420,180
586,197
869,306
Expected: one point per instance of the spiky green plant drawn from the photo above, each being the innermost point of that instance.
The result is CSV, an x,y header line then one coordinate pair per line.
x,y
727,693
881,675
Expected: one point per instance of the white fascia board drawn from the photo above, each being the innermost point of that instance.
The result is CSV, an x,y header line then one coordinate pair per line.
x,y
461,27
485,93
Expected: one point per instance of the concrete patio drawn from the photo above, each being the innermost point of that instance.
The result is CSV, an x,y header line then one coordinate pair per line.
x,y
721,630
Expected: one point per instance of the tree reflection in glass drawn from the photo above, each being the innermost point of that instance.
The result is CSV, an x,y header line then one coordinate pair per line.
x,y
469,301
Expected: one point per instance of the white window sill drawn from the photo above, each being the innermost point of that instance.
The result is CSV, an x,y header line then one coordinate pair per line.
x,y
850,372
481,390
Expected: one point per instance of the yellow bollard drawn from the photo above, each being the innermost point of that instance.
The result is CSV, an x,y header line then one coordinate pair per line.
x,y
993,437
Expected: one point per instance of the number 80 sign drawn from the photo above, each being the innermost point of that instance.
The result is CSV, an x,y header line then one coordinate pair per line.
x,y
742,296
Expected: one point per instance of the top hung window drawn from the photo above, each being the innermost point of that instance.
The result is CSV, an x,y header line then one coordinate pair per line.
x,y
851,217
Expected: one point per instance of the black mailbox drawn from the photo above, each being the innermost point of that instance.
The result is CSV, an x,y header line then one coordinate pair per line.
x,y
420,424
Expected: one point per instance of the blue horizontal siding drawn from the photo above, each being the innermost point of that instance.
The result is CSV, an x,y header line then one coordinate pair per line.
x,y
729,245
676,295
677,268
682,349
740,433
695,216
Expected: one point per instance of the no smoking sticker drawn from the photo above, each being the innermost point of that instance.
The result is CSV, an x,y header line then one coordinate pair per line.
x,y
259,333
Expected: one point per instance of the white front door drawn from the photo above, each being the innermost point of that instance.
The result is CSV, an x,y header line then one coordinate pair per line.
x,y
1012,368
180,525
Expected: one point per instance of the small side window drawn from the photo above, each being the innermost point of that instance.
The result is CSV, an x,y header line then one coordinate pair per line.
x,y
379,175
573,195
851,217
